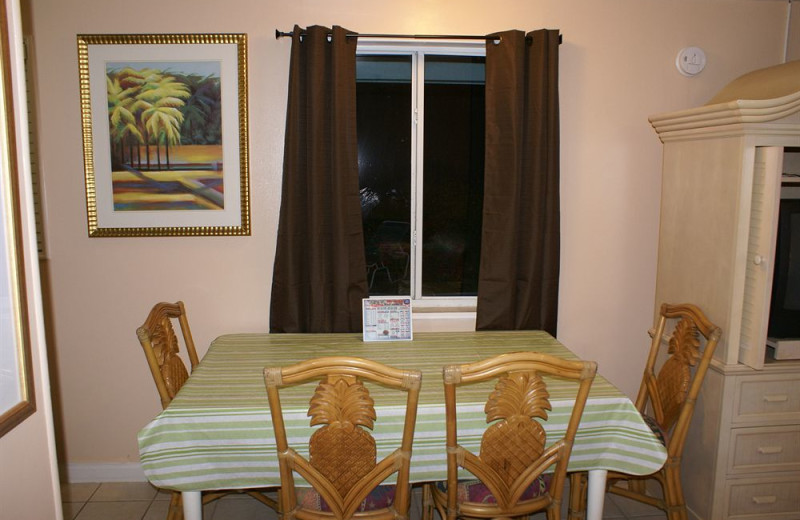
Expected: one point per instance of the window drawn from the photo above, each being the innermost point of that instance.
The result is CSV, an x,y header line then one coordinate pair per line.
x,y
420,156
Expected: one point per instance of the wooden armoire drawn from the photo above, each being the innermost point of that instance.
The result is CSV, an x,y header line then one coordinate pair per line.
x,y
724,165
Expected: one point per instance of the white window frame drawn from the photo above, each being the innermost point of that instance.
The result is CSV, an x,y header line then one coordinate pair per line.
x,y
415,49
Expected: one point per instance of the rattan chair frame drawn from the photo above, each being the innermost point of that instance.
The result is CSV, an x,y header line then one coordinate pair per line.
x,y
647,400
350,369
159,324
157,333
557,455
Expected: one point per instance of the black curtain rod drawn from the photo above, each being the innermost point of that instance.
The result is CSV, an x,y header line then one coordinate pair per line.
x,y
281,34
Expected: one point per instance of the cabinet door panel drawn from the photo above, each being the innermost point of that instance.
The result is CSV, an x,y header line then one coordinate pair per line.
x,y
760,254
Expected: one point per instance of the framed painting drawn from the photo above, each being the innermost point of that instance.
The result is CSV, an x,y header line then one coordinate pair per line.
x,y
165,141
16,373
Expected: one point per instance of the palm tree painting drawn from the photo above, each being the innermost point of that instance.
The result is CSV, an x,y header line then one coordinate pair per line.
x,y
165,130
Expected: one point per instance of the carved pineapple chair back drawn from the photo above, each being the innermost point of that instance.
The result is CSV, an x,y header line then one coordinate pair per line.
x,y
342,467
669,389
161,348
518,470
667,398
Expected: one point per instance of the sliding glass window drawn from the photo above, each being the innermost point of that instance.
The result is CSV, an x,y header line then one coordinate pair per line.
x,y
420,155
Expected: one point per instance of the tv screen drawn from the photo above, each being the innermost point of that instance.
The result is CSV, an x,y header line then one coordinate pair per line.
x,y
784,314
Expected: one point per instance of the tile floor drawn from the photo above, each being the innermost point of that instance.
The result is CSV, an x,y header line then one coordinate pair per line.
x,y
141,501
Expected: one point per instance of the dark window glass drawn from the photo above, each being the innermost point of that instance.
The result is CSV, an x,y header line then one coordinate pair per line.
x,y
453,173
383,91
451,179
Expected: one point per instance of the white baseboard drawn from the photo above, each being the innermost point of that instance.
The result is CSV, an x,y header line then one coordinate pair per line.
x,y
121,472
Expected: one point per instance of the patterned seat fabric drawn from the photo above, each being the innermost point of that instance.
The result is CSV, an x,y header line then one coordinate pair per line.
x,y
380,498
476,491
662,435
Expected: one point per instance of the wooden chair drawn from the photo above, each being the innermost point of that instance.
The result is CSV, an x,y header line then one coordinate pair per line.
x,y
516,475
161,348
666,402
342,466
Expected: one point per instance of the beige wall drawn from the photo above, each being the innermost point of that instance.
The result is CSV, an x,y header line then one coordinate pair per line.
x,y
617,67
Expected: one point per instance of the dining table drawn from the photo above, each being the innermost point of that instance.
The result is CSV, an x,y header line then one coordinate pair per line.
x,y
217,433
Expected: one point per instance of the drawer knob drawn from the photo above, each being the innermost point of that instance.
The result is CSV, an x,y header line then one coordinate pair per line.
x,y
771,499
779,398
770,450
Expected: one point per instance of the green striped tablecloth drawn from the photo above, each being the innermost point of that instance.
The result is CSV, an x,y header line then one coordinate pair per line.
x,y
217,434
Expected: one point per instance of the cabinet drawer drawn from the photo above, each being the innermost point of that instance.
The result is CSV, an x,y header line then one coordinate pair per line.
x,y
763,498
764,449
763,399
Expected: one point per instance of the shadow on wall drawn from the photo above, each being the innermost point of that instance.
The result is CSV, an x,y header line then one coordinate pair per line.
x,y
52,362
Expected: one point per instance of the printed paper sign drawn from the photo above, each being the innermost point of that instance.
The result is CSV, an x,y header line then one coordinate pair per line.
x,y
387,319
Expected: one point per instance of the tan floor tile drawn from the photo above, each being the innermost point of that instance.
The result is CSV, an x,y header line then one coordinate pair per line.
x,y
79,492
161,505
124,491
633,509
209,509
157,510
237,495
611,510
231,507
140,501
71,509
163,494
113,511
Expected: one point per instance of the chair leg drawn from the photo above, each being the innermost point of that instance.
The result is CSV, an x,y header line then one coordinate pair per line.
x,y
673,493
427,502
578,483
175,511
434,504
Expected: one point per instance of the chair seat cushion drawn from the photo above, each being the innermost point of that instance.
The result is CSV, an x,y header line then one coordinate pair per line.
x,y
662,435
381,497
476,491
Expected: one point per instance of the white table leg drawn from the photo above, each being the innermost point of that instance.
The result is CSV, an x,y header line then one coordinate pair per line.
x,y
596,494
193,505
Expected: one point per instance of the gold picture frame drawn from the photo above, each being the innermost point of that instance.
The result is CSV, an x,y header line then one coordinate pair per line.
x,y
165,142
16,373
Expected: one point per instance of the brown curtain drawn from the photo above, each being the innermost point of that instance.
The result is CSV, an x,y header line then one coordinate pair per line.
x,y
319,276
518,281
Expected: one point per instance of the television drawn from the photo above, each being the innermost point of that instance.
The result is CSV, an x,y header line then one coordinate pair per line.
x,y
784,313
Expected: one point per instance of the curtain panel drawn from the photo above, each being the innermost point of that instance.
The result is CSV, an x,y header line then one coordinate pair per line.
x,y
519,268
319,275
